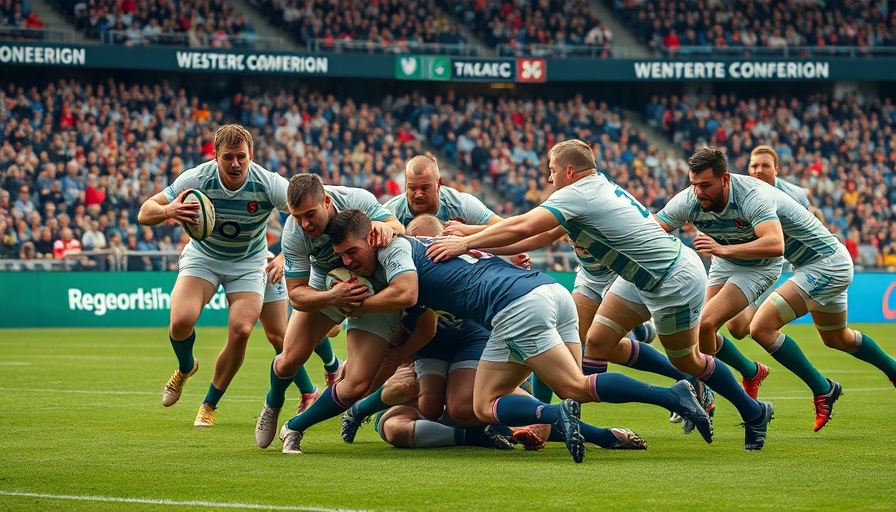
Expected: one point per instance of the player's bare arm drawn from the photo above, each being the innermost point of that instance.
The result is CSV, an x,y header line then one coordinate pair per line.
x,y
400,294
769,243
458,228
383,232
157,210
305,298
508,231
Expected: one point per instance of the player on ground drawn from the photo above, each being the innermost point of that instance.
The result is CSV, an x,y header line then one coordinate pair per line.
x,y
659,277
244,194
445,368
310,254
730,212
533,328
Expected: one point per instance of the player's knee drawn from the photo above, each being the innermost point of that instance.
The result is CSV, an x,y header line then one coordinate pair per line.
x,y
181,325
462,412
738,330
838,340
483,410
430,406
351,390
708,324
241,330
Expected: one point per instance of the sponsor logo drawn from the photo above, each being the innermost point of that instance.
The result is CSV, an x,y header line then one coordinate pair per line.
x,y
137,300
252,207
486,70
737,70
422,67
531,70
269,63
741,223
13,54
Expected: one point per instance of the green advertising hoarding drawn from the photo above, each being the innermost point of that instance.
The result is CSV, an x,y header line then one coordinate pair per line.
x,y
94,299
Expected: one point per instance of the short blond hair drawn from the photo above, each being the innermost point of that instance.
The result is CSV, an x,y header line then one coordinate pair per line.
x,y
573,152
430,225
420,164
766,150
232,135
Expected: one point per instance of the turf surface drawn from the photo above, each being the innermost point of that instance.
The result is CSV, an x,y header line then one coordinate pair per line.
x,y
83,428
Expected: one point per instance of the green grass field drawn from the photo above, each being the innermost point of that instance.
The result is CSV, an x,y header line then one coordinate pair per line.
x,y
83,428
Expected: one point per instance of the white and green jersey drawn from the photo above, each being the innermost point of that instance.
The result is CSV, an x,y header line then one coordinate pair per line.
x,y
241,216
609,228
796,192
453,205
806,239
750,203
301,252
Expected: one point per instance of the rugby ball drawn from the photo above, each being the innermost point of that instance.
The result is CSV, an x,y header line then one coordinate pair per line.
x,y
343,275
206,216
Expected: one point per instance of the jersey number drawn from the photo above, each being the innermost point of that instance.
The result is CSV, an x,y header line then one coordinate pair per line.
x,y
635,203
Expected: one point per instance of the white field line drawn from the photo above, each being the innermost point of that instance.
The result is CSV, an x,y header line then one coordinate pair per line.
x,y
145,501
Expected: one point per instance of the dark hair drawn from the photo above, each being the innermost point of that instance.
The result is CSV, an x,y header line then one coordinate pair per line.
x,y
302,186
349,223
709,158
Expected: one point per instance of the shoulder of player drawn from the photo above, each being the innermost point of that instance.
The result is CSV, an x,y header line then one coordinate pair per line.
x,y
396,203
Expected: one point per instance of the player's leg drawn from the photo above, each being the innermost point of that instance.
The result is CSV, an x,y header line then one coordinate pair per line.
x,y
433,377
588,294
785,305
189,296
274,317
622,310
366,343
324,350
405,427
459,394
835,334
722,303
739,326
400,388
245,308
304,330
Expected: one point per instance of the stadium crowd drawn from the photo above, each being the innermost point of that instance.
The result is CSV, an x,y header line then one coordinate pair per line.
x,y
15,15
390,25
688,27
77,160
552,23
194,23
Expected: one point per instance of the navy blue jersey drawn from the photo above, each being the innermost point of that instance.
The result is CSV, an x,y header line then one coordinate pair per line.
x,y
452,336
472,286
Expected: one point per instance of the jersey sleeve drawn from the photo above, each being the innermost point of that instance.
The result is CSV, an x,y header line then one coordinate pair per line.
x,y
566,204
397,259
277,189
474,210
187,180
366,202
760,207
675,213
296,253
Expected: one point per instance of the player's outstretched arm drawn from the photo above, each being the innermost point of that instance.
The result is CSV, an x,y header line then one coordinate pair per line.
x,y
157,209
508,231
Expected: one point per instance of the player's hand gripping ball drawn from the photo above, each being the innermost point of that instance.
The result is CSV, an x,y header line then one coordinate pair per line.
x,y
344,275
205,216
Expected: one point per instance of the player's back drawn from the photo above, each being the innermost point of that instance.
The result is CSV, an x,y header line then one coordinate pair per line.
x,y
796,192
471,287
609,227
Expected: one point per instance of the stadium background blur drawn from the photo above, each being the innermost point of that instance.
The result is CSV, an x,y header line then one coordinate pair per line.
x,y
105,102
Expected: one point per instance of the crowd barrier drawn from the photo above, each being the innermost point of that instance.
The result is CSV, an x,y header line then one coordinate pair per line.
x,y
143,299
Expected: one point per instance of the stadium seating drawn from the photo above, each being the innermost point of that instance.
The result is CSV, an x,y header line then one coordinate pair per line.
x,y
699,27
393,26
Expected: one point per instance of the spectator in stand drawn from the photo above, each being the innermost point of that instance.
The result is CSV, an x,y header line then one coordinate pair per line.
x,y
66,245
